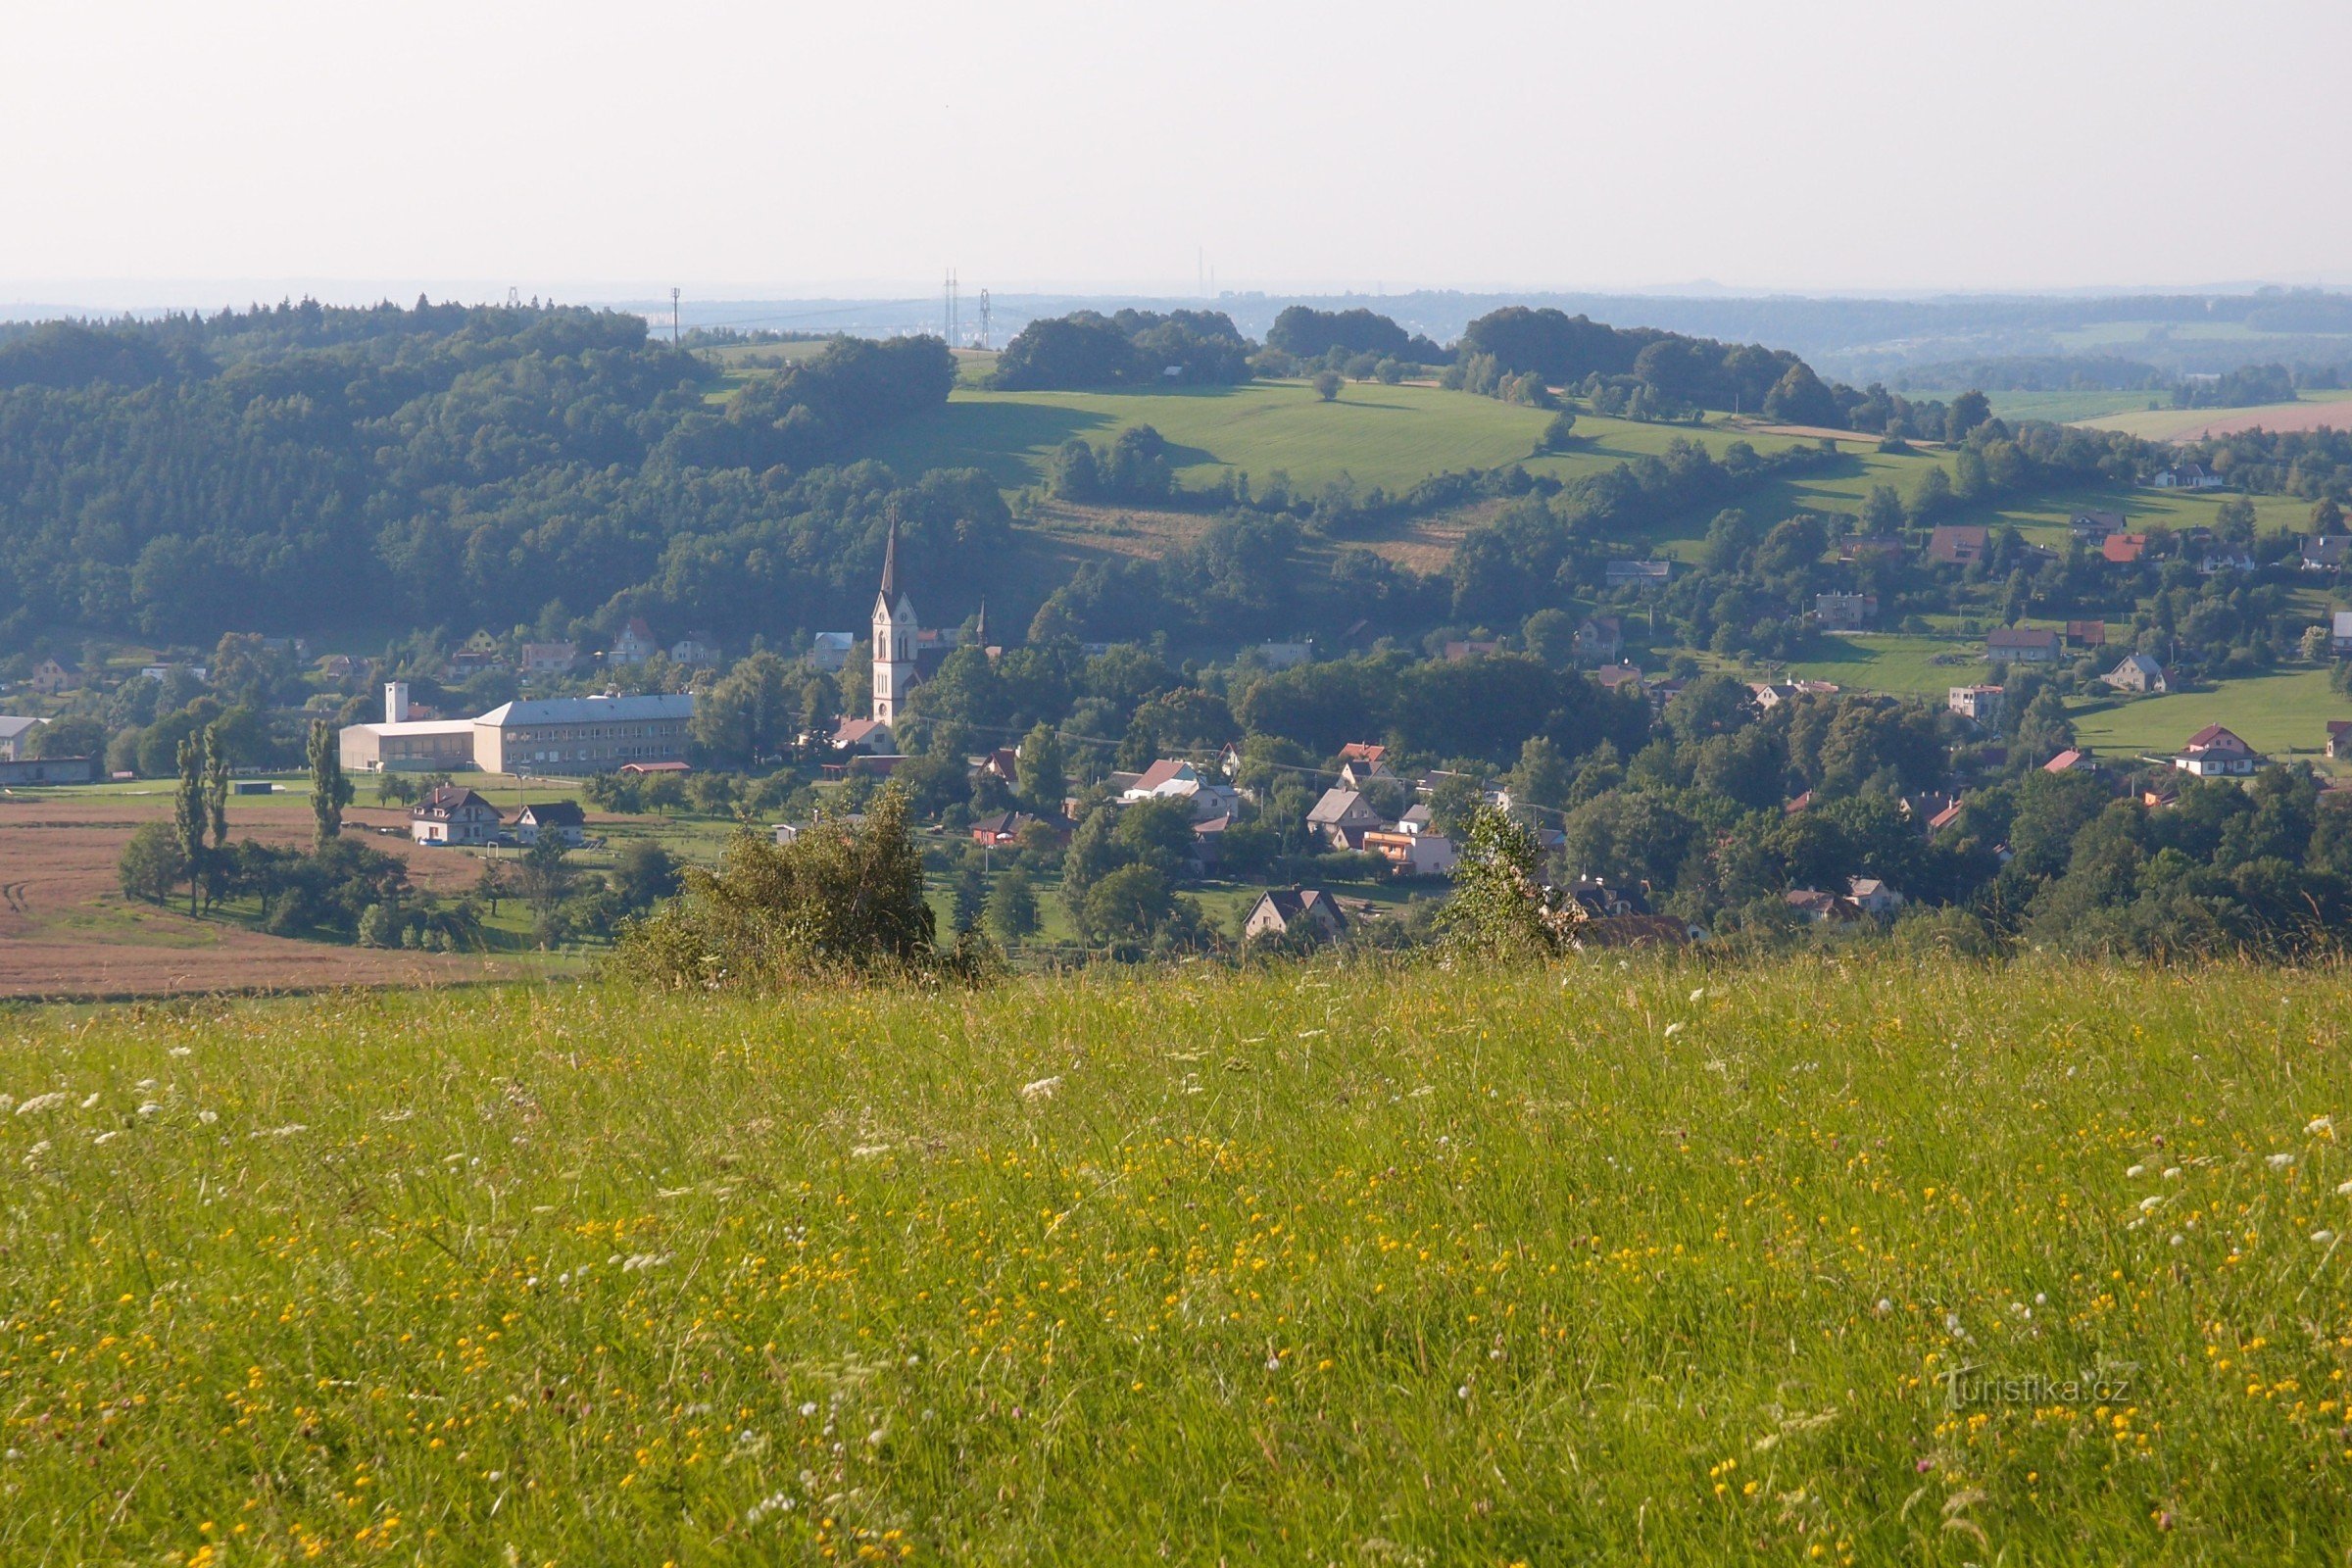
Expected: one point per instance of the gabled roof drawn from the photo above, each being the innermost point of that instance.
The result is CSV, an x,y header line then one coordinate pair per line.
x,y
1291,902
448,801
1362,752
2066,762
1338,807
1944,818
1166,770
2142,662
2020,637
11,726
2122,548
553,813
2215,737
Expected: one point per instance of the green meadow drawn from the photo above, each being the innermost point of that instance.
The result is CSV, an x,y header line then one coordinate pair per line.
x,y
2281,715
1840,1262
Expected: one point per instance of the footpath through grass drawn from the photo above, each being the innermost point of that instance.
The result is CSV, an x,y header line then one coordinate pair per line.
x,y
1854,1263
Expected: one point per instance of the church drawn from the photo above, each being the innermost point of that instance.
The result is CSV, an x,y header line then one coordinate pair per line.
x,y
902,650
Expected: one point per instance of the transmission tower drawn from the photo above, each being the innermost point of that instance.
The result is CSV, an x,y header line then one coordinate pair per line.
x,y
985,341
949,316
673,318
513,297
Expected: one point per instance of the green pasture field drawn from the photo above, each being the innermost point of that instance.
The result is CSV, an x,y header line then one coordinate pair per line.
x,y
1894,662
2281,715
2062,407
1393,436
1846,1262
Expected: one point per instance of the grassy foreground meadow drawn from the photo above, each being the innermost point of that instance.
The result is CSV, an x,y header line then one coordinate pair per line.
x,y
1827,1263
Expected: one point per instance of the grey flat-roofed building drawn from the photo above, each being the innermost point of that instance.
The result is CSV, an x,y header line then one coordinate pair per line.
x,y
586,734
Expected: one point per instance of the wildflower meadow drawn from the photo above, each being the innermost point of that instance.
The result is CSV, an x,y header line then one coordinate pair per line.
x,y
1344,1263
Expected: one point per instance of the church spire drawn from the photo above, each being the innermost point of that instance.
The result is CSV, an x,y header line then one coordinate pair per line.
x,y
889,558
980,626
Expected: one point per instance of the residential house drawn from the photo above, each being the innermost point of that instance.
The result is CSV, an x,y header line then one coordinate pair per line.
x,y
1416,819
1599,640
53,675
829,651
1005,762
652,769
2071,761
2339,635
1984,704
1944,818
1169,776
868,735
697,649
2138,673
1456,651
1822,908
1637,573
1770,694
1602,900
1307,913
2339,747
1872,896
1957,545
1845,612
2022,645
548,660
2186,476
2216,751
1000,828
1355,773
2327,552
452,814
1361,751
2090,525
198,673
1619,677
2087,633
1341,818
635,644
1413,853
2122,548
482,652
2216,562
560,819
16,736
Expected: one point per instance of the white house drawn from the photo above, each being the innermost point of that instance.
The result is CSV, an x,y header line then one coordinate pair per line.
x,y
560,819
452,814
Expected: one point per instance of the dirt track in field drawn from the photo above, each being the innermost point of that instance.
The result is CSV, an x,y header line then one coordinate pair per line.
x,y
67,930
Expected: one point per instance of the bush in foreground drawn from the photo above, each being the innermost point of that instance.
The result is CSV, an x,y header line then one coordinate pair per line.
x,y
1595,1262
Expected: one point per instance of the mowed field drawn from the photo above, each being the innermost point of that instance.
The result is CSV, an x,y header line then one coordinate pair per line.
x,y
2281,715
2332,410
67,929
1836,1261
1391,436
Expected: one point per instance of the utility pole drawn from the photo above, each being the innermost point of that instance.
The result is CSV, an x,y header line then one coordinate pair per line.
x,y
673,318
986,341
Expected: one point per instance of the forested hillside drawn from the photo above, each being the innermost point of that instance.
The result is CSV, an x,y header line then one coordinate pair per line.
x,y
449,465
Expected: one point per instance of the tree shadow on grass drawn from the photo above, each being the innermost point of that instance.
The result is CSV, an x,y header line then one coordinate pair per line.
x,y
1009,441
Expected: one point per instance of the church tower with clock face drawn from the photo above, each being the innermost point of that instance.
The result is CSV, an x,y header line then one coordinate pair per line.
x,y
893,638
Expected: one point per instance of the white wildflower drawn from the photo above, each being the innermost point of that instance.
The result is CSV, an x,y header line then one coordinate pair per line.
x,y
1700,995
108,1138
179,1050
2150,1203
1674,1028
2171,1173
2321,1124
2280,1161
91,1103
1273,1363
2323,1237
1042,1089
43,1101
808,1408
149,1108
2136,1171
207,1117
869,1150
2343,1190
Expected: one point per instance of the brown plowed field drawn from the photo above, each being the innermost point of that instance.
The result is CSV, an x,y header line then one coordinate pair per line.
x,y
66,929
2335,416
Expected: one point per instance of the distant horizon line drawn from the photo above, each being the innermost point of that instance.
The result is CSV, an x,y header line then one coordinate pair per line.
x,y
128,294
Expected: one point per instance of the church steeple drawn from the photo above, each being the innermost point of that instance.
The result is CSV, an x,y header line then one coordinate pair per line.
x,y
980,625
895,636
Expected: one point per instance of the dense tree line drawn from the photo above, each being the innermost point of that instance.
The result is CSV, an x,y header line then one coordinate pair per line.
x,y
1306,333
446,466
1130,348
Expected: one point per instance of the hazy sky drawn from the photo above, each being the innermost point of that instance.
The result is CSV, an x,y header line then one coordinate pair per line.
x,y
590,147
